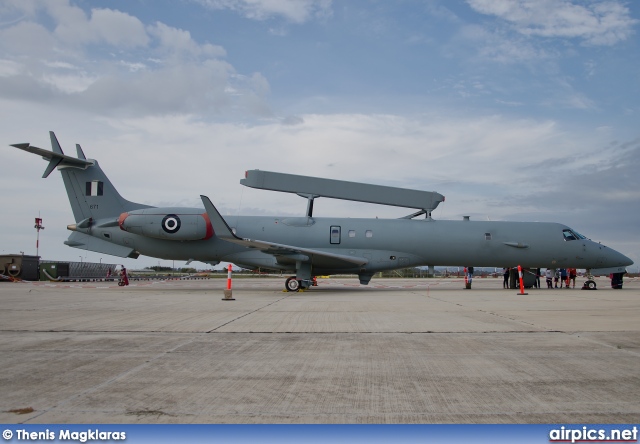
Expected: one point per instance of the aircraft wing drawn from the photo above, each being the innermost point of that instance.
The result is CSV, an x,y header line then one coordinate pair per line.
x,y
281,251
293,253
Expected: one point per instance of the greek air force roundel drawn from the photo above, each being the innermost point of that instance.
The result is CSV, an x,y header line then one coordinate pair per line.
x,y
171,223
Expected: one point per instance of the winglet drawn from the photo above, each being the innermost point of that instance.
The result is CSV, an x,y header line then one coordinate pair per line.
x,y
80,152
55,145
220,227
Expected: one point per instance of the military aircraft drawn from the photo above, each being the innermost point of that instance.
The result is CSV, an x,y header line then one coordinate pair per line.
x,y
309,246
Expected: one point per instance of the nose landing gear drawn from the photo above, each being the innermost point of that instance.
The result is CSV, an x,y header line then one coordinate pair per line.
x,y
590,283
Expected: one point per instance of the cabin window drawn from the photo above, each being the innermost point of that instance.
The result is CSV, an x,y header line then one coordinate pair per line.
x,y
368,233
335,235
107,235
352,233
487,236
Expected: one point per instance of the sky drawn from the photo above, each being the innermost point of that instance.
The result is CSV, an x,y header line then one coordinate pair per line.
x,y
513,109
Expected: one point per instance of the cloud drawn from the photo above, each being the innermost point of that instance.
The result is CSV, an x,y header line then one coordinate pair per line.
x,y
105,26
496,45
295,11
595,23
178,42
109,62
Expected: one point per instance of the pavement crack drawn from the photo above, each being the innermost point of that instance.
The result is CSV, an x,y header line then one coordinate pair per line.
x,y
247,314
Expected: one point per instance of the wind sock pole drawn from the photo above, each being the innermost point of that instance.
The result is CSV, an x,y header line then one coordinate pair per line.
x,y
38,226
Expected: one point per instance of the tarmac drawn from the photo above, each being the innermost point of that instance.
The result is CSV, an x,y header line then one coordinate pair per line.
x,y
396,351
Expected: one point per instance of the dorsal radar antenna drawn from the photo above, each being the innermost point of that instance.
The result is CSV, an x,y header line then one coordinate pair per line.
x,y
313,187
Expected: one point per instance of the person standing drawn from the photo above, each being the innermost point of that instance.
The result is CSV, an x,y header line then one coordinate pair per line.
x,y
572,272
563,276
549,275
505,274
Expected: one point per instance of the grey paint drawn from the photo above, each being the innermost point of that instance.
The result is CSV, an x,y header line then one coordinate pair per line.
x,y
341,189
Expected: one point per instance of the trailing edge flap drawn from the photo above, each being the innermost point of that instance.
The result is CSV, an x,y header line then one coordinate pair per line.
x,y
55,157
222,231
296,252
90,243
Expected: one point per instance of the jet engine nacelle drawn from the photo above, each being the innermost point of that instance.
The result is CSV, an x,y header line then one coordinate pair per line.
x,y
167,223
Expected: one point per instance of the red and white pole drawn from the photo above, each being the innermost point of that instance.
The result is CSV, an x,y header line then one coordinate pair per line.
x,y
521,281
229,277
38,226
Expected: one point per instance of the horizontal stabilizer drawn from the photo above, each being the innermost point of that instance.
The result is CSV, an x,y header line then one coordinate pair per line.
x,y
90,243
56,157
312,187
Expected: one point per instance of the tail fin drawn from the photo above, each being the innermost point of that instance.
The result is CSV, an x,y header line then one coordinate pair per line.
x,y
90,192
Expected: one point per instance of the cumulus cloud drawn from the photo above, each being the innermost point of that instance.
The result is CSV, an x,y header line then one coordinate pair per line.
x,y
595,23
107,26
108,61
179,42
296,11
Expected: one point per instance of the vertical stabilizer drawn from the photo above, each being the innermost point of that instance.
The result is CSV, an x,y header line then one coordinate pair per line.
x,y
90,191
92,195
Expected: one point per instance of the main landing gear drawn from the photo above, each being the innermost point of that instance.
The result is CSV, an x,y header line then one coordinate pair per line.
x,y
293,284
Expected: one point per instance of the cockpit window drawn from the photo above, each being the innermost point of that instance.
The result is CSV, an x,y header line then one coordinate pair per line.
x,y
570,235
580,236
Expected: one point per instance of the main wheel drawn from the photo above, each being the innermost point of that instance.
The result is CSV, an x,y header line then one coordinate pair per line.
x,y
292,284
591,285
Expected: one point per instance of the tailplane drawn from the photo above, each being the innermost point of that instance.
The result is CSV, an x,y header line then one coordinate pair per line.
x,y
90,192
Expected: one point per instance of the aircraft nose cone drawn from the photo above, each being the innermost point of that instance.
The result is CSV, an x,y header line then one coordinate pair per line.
x,y
616,259
626,262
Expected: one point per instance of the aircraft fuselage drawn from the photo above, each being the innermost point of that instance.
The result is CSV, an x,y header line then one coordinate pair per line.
x,y
389,244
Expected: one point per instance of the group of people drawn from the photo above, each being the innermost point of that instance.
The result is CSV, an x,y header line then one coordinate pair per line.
x,y
566,276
